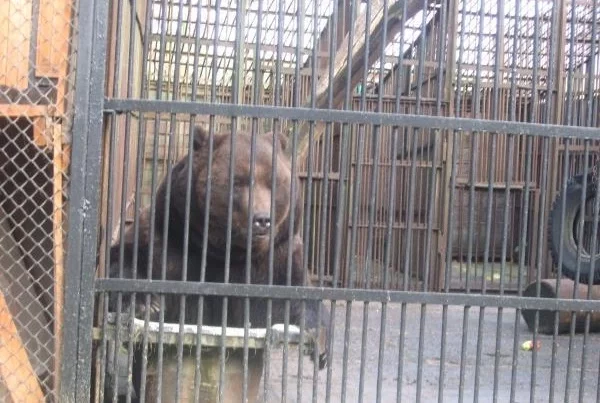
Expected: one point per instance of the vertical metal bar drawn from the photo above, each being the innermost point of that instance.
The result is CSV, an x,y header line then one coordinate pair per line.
x,y
422,41
432,189
84,196
356,200
569,121
109,219
371,207
308,220
207,200
115,90
488,224
239,30
543,185
472,178
300,10
292,225
130,80
325,194
153,195
276,133
137,201
256,95
248,265
293,197
342,197
193,96
451,218
589,122
556,14
508,172
108,232
525,205
386,260
325,186
398,93
174,134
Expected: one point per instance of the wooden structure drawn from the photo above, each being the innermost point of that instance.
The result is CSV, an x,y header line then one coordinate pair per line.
x,y
34,159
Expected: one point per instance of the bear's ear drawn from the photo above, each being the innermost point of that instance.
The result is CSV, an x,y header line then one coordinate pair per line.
x,y
200,137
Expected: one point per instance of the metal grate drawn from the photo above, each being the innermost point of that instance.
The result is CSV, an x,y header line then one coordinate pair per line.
x,y
431,139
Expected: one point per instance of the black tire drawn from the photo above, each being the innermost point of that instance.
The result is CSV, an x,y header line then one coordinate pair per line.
x,y
569,233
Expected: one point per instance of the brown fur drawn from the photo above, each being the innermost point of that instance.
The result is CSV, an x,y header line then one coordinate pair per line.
x,y
170,218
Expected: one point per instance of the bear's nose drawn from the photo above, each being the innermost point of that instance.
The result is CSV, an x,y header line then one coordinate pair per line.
x,y
262,222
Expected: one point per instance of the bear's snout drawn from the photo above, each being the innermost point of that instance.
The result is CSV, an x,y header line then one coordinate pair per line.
x,y
261,224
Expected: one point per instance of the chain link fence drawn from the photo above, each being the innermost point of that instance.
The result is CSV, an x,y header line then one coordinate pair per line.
x,y
36,86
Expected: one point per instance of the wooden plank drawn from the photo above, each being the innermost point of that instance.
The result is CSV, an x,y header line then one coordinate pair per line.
x,y
4,40
15,36
53,38
358,55
52,50
15,368
58,221
16,111
40,131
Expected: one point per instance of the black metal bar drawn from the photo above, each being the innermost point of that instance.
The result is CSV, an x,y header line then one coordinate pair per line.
x,y
84,196
342,294
508,172
490,179
256,94
368,262
308,195
346,116
325,194
391,206
451,218
593,253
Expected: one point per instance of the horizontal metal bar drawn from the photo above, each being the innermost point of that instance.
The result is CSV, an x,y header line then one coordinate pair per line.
x,y
342,294
342,116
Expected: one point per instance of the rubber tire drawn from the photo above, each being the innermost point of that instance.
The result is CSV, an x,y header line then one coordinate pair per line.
x,y
570,249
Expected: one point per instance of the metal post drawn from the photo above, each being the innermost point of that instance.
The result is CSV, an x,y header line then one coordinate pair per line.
x,y
84,201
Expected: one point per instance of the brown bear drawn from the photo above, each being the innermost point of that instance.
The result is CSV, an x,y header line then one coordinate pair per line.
x,y
168,236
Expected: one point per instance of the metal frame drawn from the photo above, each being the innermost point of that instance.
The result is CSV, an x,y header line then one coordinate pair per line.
x,y
343,294
91,105
349,116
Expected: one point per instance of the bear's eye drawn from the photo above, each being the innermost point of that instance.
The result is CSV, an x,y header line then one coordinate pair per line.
x,y
241,181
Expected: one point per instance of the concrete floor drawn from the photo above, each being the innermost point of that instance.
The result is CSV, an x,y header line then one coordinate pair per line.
x,y
431,360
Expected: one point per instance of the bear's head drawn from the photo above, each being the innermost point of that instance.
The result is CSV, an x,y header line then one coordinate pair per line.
x,y
252,197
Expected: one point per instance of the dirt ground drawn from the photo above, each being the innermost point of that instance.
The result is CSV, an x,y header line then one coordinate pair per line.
x,y
431,360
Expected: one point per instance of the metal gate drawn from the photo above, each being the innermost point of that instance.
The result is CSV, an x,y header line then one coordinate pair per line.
x,y
430,139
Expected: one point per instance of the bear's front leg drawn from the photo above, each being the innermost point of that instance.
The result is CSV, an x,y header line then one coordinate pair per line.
x,y
126,272
316,314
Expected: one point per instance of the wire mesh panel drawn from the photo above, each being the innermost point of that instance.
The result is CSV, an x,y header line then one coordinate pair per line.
x,y
349,201
36,86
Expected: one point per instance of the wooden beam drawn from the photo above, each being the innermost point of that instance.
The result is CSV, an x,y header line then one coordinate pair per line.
x,y
53,38
52,45
359,53
59,167
15,36
15,369
26,111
